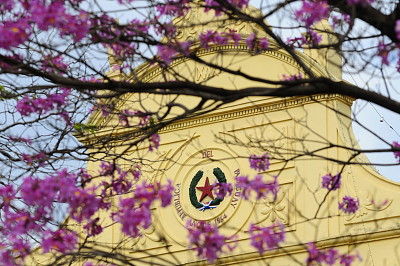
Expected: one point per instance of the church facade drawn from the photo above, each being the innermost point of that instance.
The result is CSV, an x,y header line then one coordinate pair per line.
x,y
303,136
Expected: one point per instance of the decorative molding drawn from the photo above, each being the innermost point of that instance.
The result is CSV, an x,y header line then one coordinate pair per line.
x,y
277,209
282,104
252,111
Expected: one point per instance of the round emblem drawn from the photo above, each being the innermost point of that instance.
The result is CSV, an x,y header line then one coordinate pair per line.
x,y
206,190
194,200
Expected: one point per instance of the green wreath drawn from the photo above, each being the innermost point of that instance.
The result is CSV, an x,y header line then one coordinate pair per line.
x,y
192,189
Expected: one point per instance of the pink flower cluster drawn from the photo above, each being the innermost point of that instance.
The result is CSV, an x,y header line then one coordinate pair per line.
x,y
135,212
20,139
264,238
258,185
331,182
39,159
259,163
169,52
222,189
396,153
173,8
312,12
257,44
39,196
14,33
330,256
384,51
397,30
360,2
45,15
221,38
206,240
61,187
37,105
54,64
118,181
349,205
292,77
124,117
154,142
311,39
60,240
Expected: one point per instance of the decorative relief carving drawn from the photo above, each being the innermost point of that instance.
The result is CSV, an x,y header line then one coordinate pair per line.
x,y
270,210
204,73
277,209
147,234
367,206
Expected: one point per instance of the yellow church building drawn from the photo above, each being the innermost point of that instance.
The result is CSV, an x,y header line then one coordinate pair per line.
x,y
304,136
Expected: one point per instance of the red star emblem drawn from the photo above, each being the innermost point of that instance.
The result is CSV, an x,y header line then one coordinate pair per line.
x,y
206,190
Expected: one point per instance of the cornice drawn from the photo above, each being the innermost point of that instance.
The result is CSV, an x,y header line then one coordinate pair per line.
x,y
234,113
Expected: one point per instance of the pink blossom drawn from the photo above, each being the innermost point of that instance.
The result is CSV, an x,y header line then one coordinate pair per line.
x,y
14,33
39,192
54,64
330,256
168,52
312,12
257,44
56,101
383,52
311,39
257,185
135,212
263,238
83,203
39,158
314,255
222,189
259,163
331,182
7,194
145,194
154,142
93,228
123,117
347,259
107,169
20,247
7,258
136,172
396,153
60,240
349,205
21,139
144,119
397,29
165,194
360,2
173,8
19,222
132,217
206,240
292,77
251,41
340,20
